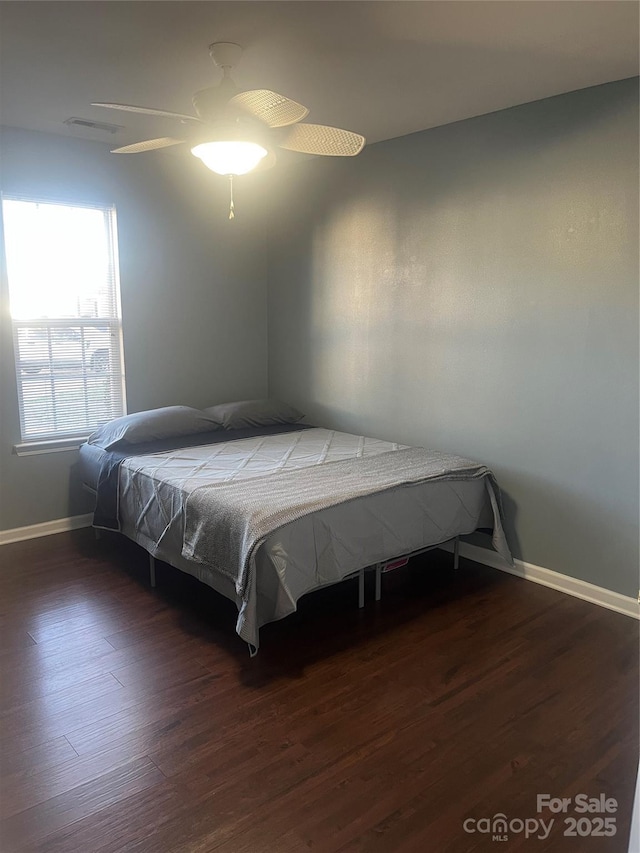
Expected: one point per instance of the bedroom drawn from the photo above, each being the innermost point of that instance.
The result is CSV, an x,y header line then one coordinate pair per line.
x,y
469,283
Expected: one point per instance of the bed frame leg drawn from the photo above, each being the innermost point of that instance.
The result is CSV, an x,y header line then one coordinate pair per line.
x,y
456,553
378,581
152,570
361,589
97,533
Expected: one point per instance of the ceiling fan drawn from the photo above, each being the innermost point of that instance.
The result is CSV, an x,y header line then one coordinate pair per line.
x,y
234,132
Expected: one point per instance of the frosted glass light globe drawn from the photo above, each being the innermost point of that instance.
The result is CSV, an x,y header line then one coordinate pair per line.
x,y
230,158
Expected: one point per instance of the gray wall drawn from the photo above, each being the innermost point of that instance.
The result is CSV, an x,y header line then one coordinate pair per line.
x,y
193,294
474,288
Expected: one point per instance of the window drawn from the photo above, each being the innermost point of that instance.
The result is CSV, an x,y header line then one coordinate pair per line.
x,y
65,311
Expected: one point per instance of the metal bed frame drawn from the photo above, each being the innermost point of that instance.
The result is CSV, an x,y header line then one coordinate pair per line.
x,y
379,568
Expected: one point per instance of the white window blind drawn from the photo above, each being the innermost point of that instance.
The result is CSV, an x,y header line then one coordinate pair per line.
x,y
65,309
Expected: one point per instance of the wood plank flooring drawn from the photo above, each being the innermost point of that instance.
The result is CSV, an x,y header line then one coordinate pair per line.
x,y
134,720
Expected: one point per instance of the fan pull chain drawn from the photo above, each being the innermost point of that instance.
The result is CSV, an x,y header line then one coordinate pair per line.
x,y
232,214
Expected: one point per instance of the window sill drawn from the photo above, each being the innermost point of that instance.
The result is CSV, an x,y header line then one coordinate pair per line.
x,y
57,445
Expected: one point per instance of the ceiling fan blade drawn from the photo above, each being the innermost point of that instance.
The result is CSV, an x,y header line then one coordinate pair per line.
x,y
148,145
271,108
322,139
150,111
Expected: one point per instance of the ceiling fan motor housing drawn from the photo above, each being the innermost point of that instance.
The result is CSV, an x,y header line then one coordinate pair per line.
x,y
233,129
211,102
225,54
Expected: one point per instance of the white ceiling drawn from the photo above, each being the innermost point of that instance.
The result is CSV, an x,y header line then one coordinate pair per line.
x,y
383,69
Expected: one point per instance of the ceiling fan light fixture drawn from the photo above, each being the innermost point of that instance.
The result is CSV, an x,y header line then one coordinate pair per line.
x,y
230,157
236,131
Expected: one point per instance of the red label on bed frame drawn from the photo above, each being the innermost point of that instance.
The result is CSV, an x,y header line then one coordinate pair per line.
x,y
395,564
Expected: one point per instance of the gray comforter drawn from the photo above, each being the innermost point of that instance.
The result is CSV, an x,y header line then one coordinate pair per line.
x,y
265,520
226,522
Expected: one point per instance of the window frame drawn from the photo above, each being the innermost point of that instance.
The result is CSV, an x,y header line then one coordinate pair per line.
x,y
56,441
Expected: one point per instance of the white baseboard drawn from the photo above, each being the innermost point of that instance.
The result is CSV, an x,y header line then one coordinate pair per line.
x,y
46,528
546,577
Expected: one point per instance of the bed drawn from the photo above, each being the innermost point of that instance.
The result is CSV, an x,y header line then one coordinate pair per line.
x,y
267,513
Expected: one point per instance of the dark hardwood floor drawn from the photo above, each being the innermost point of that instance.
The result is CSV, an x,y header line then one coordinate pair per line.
x,y
134,720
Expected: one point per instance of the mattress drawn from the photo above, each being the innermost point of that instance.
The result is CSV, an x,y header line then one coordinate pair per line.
x,y
92,458
317,543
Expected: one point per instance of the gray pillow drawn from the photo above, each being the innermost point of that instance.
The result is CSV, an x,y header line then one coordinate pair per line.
x,y
167,422
251,413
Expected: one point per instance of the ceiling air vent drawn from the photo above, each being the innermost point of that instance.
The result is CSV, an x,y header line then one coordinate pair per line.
x,y
88,124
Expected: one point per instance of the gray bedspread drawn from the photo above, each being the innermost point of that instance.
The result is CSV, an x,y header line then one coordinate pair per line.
x,y
265,520
226,522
